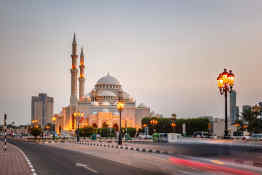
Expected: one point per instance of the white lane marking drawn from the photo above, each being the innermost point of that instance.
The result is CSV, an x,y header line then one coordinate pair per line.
x,y
27,161
86,167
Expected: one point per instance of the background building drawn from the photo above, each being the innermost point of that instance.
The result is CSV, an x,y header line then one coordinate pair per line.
x,y
42,108
233,109
246,108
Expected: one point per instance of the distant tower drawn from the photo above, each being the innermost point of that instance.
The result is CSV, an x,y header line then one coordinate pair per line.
x,y
82,75
233,96
74,70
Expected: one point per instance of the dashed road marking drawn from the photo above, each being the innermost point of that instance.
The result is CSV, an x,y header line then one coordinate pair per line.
x,y
86,167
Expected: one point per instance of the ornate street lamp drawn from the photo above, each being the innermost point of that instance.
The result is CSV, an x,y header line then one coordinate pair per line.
x,y
78,115
225,83
120,107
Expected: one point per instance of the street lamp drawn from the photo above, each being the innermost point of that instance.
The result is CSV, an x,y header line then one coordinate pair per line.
x,y
225,83
77,115
120,107
173,125
153,122
54,121
35,123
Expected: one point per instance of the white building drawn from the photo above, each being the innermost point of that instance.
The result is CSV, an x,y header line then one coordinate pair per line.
x,y
99,105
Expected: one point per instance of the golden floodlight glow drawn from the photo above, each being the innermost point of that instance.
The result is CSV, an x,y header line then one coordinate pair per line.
x,y
153,122
236,125
53,119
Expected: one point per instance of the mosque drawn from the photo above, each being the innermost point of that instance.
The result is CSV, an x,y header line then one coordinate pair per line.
x,y
98,107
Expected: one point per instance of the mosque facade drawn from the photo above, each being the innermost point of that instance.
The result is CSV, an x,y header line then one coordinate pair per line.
x,y
98,107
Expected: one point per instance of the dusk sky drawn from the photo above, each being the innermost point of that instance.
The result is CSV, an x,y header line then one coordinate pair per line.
x,y
166,54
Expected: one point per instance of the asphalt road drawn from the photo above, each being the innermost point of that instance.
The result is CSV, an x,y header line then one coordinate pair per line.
x,y
206,150
54,161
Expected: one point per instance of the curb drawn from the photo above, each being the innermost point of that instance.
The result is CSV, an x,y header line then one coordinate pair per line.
x,y
125,147
27,161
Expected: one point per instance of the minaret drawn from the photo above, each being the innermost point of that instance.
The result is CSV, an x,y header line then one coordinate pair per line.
x,y
74,70
82,75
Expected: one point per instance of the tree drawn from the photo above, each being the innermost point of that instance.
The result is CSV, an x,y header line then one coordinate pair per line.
x,y
164,125
131,132
173,116
36,131
251,116
86,131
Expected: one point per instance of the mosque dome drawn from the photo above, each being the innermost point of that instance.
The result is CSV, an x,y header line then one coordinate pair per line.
x,y
108,80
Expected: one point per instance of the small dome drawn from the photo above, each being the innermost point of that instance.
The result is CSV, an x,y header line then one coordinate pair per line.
x,y
108,79
141,105
126,95
106,93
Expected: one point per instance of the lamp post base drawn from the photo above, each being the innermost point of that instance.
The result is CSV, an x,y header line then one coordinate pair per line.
x,y
226,136
120,139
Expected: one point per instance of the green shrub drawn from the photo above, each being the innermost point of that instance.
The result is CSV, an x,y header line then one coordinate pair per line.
x,y
36,131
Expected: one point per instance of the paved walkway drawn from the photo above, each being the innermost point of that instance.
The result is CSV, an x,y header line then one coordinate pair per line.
x,y
12,161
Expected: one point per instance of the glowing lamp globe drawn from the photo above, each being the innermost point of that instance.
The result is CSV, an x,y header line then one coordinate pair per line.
x,y
120,106
225,76
220,82
231,78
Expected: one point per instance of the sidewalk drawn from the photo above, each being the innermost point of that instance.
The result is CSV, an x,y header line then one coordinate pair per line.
x,y
12,161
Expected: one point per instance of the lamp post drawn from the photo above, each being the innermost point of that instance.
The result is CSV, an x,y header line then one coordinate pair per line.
x,y
145,129
153,122
54,120
225,83
120,107
77,115
35,123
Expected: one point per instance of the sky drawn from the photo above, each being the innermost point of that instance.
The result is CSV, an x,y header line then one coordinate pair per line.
x,y
166,54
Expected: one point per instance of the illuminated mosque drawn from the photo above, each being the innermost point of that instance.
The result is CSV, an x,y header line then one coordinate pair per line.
x,y
98,107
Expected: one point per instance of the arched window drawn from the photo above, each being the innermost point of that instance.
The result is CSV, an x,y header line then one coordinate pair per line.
x,y
94,125
105,125
115,126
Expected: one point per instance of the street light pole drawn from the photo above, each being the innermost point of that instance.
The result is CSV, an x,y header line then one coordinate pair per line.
x,y
225,83
5,117
120,107
77,115
120,131
78,139
54,121
226,127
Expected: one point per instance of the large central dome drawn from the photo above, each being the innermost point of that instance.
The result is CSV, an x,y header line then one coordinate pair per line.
x,y
108,80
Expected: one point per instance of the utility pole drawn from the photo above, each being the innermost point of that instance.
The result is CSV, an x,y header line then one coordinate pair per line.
x,y
5,116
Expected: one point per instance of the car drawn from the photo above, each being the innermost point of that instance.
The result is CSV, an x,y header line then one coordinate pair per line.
x,y
201,134
144,136
256,136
